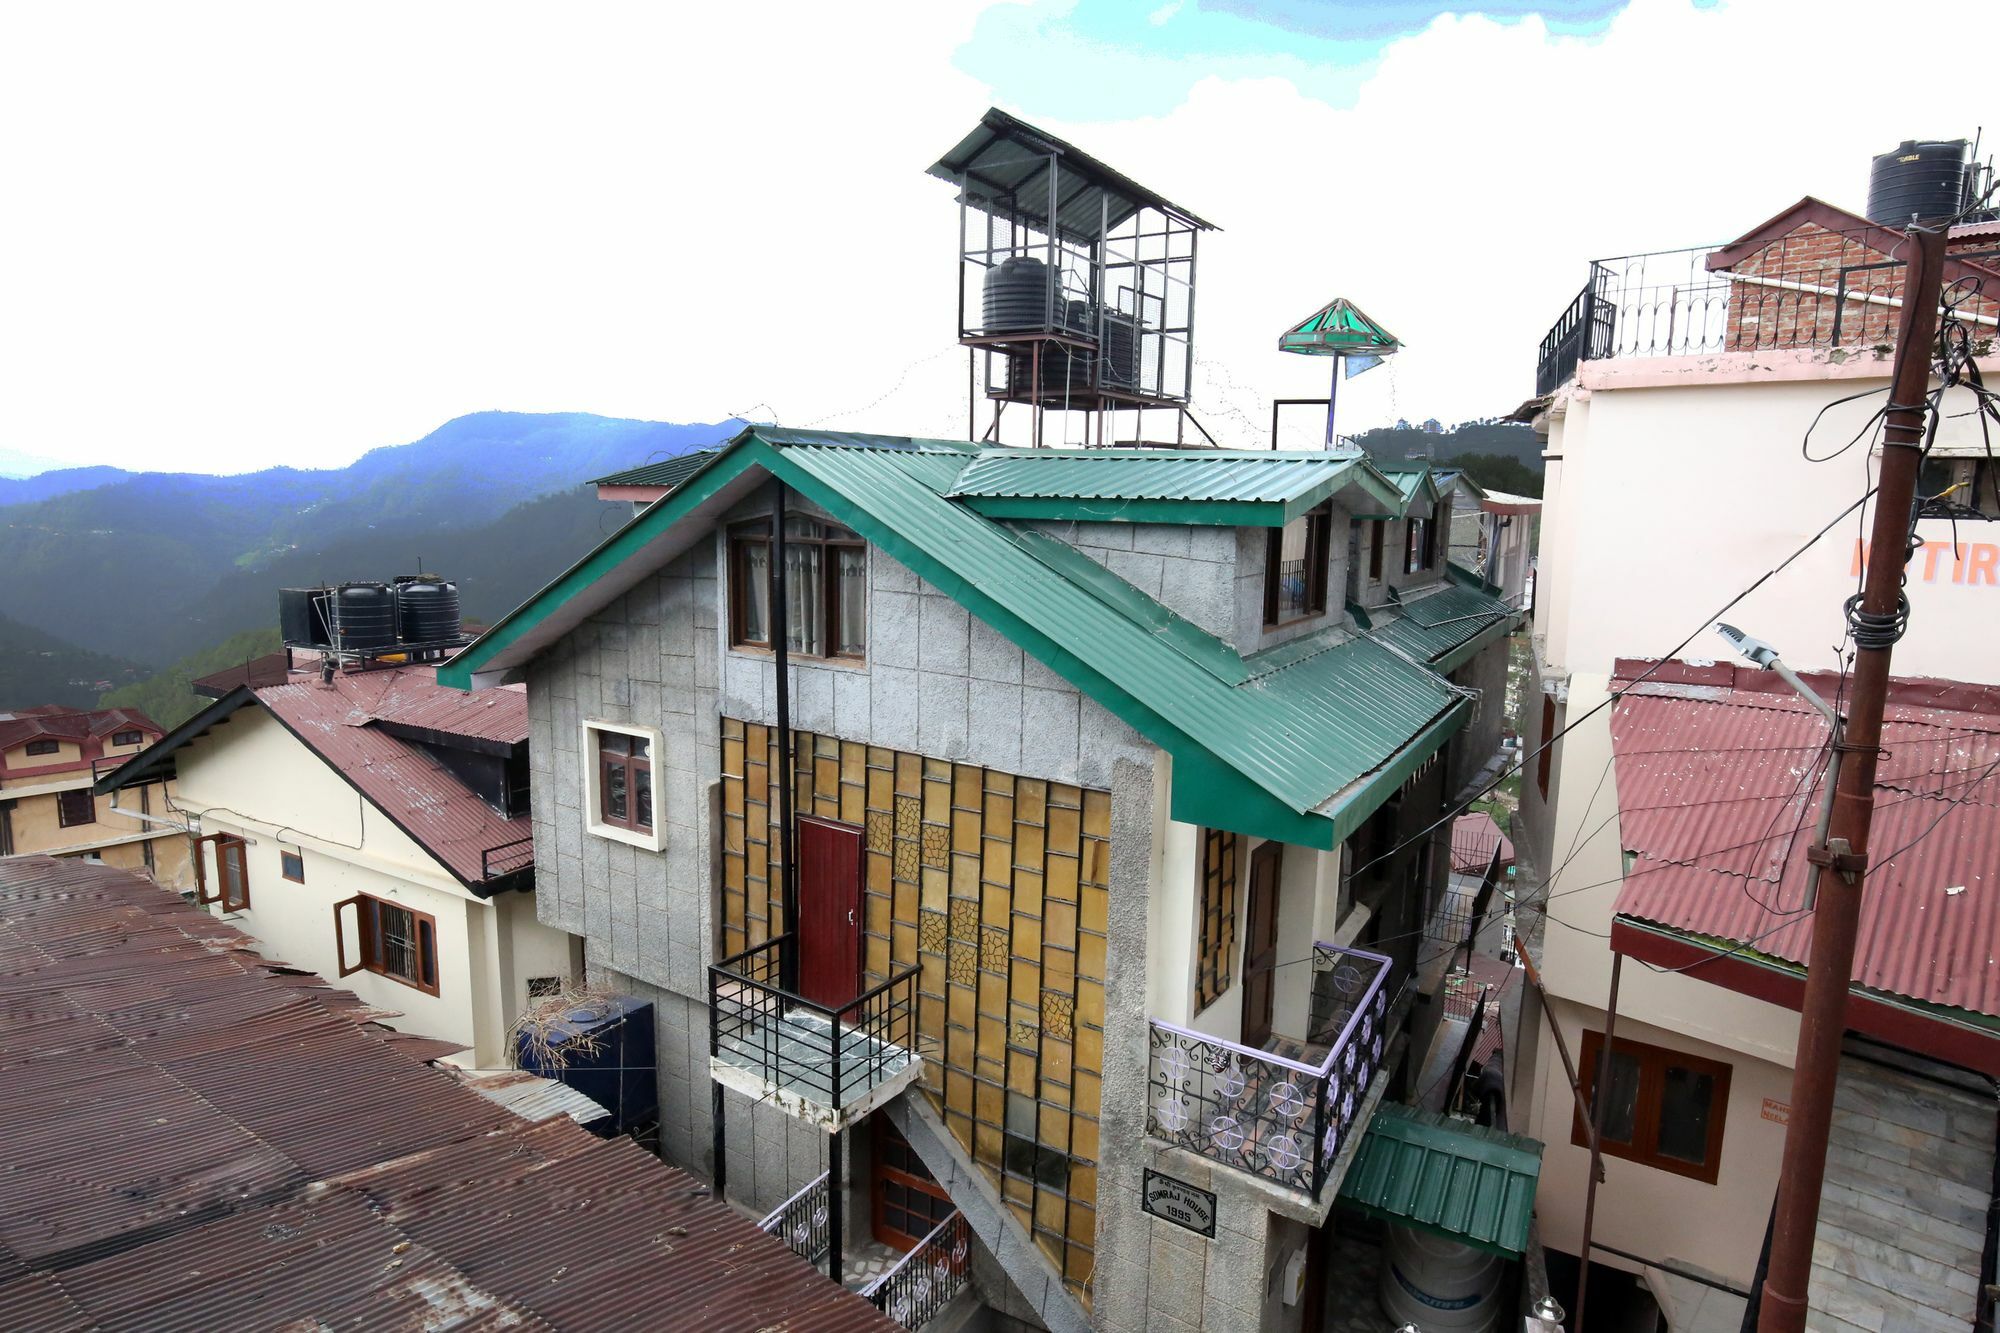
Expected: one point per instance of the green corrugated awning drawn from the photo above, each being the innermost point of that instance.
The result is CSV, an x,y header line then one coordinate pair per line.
x,y
1454,1179
1449,627
1263,488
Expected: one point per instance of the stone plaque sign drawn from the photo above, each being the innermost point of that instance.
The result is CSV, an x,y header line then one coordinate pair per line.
x,y
1179,1203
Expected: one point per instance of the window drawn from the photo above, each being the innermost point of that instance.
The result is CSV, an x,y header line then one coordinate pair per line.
x,y
1416,545
544,988
127,737
76,807
391,940
44,746
1218,917
232,873
1375,531
1547,747
1662,1108
826,588
619,801
1966,488
625,781
1295,567
292,864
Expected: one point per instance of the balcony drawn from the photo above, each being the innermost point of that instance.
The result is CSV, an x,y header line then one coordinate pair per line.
x,y
826,1065
1810,287
1285,1114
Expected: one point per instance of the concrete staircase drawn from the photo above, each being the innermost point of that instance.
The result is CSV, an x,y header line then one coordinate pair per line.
x,y
978,1199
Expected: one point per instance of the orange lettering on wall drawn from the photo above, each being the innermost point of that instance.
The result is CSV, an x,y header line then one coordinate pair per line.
x,y
1932,550
1985,557
1860,558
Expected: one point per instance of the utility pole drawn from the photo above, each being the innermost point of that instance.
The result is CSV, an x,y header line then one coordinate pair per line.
x,y
1844,849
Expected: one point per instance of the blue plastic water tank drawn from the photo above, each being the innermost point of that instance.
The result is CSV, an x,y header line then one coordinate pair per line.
x,y
620,1074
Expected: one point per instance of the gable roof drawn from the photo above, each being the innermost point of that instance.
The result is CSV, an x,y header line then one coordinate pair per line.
x,y
201,1139
1831,217
1301,746
1231,489
71,724
370,728
1446,628
666,473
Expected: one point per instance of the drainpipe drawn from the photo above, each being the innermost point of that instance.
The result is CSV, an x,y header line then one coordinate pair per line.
x,y
781,634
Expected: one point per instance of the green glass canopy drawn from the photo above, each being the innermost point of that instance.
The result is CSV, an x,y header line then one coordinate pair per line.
x,y
1339,328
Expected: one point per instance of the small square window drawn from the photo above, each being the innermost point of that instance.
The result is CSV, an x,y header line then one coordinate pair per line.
x,y
619,797
128,737
76,807
544,988
292,864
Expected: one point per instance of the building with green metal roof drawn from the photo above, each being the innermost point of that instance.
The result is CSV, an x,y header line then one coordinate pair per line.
x,y
1087,747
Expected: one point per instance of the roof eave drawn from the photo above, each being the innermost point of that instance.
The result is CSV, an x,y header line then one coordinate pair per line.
x,y
147,764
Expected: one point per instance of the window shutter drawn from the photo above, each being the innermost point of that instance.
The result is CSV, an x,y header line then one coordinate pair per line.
x,y
342,925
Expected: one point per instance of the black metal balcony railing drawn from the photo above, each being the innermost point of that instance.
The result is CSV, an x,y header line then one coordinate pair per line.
x,y
507,857
1270,1115
926,1279
801,1221
1813,287
830,1056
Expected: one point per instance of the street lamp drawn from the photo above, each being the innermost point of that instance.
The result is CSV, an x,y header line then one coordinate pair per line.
x,y
1762,654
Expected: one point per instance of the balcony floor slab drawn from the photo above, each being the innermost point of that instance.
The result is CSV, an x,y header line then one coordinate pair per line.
x,y
786,1060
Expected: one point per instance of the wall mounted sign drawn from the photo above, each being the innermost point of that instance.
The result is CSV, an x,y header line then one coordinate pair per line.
x,y
1777,1110
1180,1203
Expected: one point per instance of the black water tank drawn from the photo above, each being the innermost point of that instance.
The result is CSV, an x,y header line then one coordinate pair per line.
x,y
364,616
1922,180
302,617
426,609
1017,296
1120,350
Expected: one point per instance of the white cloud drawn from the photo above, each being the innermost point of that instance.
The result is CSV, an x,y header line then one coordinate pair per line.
x,y
251,233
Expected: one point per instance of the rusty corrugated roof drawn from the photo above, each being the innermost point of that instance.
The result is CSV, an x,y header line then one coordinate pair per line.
x,y
198,1140
410,785
1717,794
1473,838
70,723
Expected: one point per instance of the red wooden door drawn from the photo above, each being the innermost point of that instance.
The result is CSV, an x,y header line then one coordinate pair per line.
x,y
829,939
1260,942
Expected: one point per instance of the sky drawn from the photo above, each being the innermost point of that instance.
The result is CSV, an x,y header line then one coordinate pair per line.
x,y
239,234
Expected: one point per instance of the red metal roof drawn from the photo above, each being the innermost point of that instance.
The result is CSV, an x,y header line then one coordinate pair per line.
x,y
270,669
1718,794
1473,838
415,789
70,723
198,1141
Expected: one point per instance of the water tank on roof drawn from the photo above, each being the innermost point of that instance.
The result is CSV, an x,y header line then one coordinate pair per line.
x,y
426,609
302,617
364,616
1017,296
1922,180
604,1049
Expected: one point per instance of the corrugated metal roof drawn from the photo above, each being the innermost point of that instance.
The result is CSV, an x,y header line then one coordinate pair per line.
x,y
408,783
530,1096
1718,789
70,723
1154,474
1473,840
1444,628
1003,164
196,1141
1301,745
667,473
1469,1183
1304,733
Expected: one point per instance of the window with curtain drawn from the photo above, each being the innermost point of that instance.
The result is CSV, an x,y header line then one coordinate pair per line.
x,y
826,588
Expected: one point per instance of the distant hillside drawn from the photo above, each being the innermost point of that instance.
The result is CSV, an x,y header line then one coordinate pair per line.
x,y
145,567
61,481
1499,455
38,668
497,566
166,697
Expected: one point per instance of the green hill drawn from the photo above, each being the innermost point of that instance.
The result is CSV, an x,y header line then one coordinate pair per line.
x,y
37,667
166,697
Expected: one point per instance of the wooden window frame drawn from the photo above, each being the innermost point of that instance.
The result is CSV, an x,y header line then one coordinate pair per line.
x,y
209,895
128,738
649,837
1376,528
1319,557
63,817
1547,747
1416,545
1653,1064
287,858
757,532
368,931
630,766
46,745
1215,940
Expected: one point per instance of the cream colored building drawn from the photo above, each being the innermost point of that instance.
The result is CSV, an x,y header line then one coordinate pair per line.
x,y
1719,417
374,829
49,757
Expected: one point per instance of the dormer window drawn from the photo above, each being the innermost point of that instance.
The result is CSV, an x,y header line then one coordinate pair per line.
x,y
1295,568
826,588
